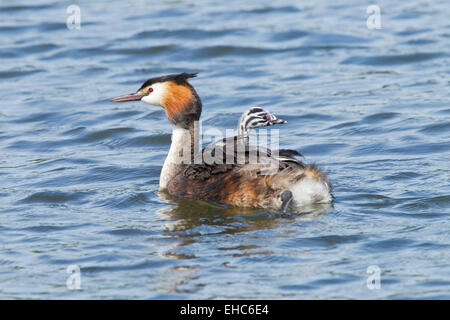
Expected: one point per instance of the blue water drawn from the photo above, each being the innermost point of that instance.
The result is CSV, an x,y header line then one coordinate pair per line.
x,y
79,175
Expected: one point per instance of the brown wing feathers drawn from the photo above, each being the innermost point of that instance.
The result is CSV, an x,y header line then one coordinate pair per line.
x,y
238,184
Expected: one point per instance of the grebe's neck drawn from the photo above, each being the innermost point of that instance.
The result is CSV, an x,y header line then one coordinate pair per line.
x,y
183,151
242,131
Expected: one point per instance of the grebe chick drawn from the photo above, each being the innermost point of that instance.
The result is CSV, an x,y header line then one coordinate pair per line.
x,y
256,117
253,118
241,184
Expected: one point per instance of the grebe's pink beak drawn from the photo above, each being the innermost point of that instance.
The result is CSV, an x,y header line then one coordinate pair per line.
x,y
129,97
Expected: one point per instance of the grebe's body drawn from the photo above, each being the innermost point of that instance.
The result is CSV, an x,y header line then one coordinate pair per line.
x,y
276,181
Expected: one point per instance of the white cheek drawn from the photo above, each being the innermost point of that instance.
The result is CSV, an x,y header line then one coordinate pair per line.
x,y
151,99
155,98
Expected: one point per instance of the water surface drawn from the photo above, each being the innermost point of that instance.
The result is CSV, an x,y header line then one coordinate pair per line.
x,y
79,175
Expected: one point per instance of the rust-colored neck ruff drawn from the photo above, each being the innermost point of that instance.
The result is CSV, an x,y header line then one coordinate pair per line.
x,y
178,101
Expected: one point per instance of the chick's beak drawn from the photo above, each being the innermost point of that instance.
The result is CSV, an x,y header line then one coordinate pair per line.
x,y
128,97
278,121
274,120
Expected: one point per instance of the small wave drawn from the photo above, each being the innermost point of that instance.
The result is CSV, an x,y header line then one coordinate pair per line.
x,y
393,59
436,128
146,50
393,244
125,202
229,50
18,73
104,134
380,117
126,232
54,197
183,34
147,264
328,241
54,228
19,8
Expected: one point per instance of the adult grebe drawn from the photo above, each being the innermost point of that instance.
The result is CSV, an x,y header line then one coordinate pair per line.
x,y
238,183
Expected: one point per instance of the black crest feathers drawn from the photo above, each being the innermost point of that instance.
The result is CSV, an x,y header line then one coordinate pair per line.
x,y
178,78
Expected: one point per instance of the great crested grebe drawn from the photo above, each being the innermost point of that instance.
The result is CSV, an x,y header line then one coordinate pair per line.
x,y
237,183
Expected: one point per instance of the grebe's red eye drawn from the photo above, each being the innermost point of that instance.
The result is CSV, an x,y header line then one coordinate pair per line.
x,y
150,90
